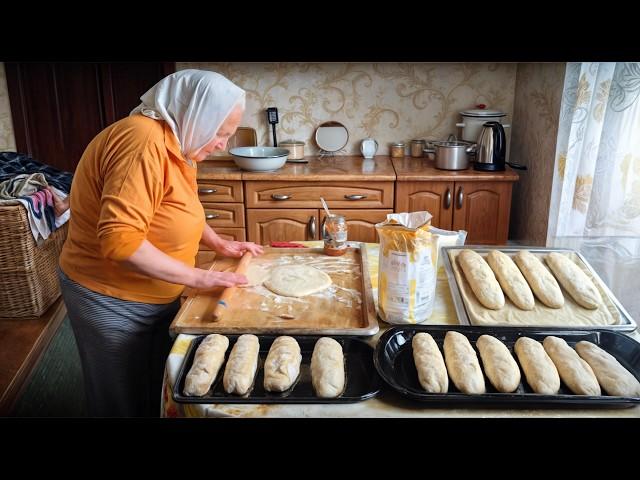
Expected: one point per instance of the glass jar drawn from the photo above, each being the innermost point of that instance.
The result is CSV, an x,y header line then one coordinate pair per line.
x,y
397,149
417,148
334,233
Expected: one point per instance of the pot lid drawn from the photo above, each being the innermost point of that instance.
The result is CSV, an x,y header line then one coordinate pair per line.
x,y
478,112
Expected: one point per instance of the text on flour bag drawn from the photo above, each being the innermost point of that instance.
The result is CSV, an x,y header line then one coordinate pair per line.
x,y
406,268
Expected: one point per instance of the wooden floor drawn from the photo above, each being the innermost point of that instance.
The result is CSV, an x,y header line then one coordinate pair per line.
x,y
22,343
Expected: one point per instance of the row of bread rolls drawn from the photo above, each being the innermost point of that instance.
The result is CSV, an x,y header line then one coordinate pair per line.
x,y
525,275
281,367
583,370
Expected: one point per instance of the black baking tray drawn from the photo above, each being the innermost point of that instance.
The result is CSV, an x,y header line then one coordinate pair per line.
x,y
393,359
361,378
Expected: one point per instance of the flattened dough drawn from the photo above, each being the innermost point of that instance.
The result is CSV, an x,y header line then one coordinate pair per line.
x,y
257,275
297,280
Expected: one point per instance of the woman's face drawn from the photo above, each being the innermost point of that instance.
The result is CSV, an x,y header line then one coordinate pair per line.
x,y
219,142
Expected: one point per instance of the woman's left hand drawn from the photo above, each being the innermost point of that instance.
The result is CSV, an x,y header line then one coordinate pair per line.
x,y
231,248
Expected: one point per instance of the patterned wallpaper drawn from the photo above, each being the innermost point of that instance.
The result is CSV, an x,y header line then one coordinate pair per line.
x,y
387,101
7,138
538,94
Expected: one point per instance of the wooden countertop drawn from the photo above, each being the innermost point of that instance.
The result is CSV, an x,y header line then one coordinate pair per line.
x,y
410,169
342,168
22,343
219,170
348,168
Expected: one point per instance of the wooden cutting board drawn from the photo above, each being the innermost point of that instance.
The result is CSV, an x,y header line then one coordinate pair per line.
x,y
345,308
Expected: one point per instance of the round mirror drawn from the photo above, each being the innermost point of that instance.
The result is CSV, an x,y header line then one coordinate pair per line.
x,y
332,136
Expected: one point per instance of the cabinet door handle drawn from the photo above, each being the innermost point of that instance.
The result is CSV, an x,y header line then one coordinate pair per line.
x,y
355,197
311,226
460,198
447,199
277,196
211,216
207,190
323,228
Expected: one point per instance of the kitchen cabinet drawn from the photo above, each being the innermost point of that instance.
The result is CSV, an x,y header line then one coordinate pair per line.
x,y
279,225
275,209
478,202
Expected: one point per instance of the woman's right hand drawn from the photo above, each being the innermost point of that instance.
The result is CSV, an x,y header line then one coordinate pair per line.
x,y
209,279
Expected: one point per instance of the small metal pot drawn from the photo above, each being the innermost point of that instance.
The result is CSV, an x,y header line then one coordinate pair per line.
x,y
451,155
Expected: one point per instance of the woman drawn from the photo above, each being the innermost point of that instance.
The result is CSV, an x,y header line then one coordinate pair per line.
x,y
134,234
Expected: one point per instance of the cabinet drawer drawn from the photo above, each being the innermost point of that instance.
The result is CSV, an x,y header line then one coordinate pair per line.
x,y
220,191
237,234
224,214
307,194
282,225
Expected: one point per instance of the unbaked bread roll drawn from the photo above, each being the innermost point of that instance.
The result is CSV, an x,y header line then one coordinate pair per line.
x,y
499,366
540,280
481,279
462,364
574,371
511,280
207,361
432,372
282,365
612,376
574,280
539,370
241,365
327,368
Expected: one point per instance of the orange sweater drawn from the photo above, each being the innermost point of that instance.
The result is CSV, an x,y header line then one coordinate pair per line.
x,y
132,183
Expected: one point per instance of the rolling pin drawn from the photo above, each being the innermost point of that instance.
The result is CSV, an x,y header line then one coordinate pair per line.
x,y
223,301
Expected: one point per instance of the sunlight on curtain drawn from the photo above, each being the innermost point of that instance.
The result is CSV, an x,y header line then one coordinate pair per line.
x,y
595,199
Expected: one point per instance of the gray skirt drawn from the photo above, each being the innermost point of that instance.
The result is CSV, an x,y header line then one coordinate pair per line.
x,y
123,347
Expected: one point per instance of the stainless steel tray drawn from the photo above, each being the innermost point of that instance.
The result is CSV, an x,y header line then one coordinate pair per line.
x,y
627,323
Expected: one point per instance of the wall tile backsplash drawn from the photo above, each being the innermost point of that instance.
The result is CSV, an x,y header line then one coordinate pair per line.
x,y
387,101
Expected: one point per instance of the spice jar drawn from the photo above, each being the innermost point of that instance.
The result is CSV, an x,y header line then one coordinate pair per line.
x,y
417,148
397,149
334,233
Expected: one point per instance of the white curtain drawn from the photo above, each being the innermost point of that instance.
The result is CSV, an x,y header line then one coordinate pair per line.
x,y
595,198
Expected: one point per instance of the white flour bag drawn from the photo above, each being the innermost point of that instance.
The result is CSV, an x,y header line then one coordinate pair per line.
x,y
406,268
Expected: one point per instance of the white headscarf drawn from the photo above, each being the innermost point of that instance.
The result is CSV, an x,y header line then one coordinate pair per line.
x,y
194,103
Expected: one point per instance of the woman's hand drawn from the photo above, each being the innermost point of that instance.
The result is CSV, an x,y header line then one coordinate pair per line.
x,y
208,279
231,248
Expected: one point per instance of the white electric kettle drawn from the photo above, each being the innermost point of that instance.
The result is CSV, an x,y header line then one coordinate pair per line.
x,y
368,147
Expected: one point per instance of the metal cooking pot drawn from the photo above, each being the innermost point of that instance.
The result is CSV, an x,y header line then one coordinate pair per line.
x,y
451,154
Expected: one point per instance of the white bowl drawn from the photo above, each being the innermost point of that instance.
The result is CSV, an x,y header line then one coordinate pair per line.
x,y
259,159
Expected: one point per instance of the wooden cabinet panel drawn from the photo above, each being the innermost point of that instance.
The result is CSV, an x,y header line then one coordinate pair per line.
x,y
220,191
433,197
224,214
361,224
307,194
264,226
482,209
58,107
237,234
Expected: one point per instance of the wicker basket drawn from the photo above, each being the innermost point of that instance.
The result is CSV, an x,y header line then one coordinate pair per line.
x,y
28,279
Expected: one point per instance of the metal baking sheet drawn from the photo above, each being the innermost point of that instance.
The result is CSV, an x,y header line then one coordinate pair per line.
x,y
361,378
393,359
627,323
